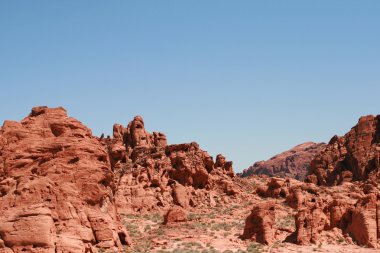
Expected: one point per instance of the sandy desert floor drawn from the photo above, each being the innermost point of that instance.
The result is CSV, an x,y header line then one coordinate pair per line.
x,y
216,230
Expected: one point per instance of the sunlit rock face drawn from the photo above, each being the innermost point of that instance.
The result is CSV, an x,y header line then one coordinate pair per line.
x,y
152,174
63,189
352,157
56,186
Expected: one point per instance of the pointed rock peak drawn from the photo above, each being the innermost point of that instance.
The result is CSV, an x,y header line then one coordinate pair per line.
x,y
220,160
138,118
118,131
137,123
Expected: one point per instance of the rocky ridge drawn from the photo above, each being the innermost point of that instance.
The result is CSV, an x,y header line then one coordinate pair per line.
x,y
151,175
294,163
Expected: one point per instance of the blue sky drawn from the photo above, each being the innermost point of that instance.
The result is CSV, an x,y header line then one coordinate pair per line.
x,y
248,79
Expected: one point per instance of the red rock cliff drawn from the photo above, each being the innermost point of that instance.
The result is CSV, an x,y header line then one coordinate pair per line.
x,y
352,157
56,186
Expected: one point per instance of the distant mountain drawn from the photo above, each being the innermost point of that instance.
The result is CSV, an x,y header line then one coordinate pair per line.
x,y
293,163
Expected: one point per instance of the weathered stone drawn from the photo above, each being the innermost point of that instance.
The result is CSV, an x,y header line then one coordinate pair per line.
x,y
54,173
353,157
309,224
364,223
175,214
259,225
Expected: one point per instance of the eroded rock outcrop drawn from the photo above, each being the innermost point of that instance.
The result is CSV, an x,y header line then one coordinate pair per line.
x,y
259,225
62,189
151,174
352,157
56,187
340,197
364,221
349,211
310,222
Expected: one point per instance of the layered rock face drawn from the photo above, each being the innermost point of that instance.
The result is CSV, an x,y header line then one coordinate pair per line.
x,y
352,157
62,189
294,163
56,187
151,174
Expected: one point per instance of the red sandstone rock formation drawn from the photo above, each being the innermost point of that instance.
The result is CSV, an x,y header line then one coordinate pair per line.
x,y
349,167
62,189
56,187
353,157
364,225
294,163
310,222
151,174
351,208
259,225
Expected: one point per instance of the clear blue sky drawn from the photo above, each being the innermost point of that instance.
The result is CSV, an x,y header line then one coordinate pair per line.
x,y
248,79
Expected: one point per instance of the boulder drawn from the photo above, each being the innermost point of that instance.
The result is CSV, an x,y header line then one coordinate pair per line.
x,y
259,225
175,214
